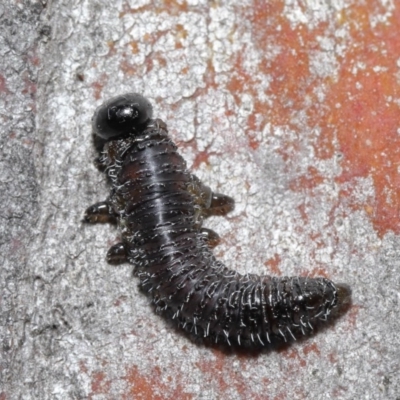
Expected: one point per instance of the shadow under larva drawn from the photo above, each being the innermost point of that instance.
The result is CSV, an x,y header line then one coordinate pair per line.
x,y
160,207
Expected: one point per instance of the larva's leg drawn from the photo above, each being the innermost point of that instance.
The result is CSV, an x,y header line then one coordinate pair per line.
x,y
117,254
212,238
221,204
98,163
100,212
208,202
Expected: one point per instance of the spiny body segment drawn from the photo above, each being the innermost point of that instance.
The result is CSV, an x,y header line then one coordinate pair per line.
x,y
160,206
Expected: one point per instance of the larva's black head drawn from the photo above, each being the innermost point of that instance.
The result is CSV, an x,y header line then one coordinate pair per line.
x,y
121,116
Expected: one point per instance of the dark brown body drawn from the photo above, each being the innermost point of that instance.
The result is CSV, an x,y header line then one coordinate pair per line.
x,y
159,206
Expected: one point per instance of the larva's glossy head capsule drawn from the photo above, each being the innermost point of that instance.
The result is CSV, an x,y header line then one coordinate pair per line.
x,y
121,116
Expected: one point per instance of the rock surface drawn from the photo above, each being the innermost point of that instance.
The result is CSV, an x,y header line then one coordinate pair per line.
x,y
292,108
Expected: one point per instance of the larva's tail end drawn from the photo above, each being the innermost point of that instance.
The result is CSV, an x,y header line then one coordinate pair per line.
x,y
343,297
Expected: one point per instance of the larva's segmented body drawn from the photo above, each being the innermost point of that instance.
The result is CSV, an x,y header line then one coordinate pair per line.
x,y
159,206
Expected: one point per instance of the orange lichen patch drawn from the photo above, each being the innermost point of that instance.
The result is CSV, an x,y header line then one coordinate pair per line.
x,y
213,370
360,113
280,396
33,57
290,73
273,265
3,85
126,9
333,358
316,273
290,149
210,77
156,59
316,238
365,116
119,301
99,85
240,79
352,315
30,87
201,157
311,348
83,367
301,393
216,372
292,353
303,213
286,66
181,32
112,49
100,385
241,82
253,142
143,387
162,62
134,47
131,69
339,391
369,209
172,7
152,38
307,181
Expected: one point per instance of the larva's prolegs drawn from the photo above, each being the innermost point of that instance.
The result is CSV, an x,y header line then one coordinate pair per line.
x,y
209,202
117,254
160,208
221,204
211,237
101,212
